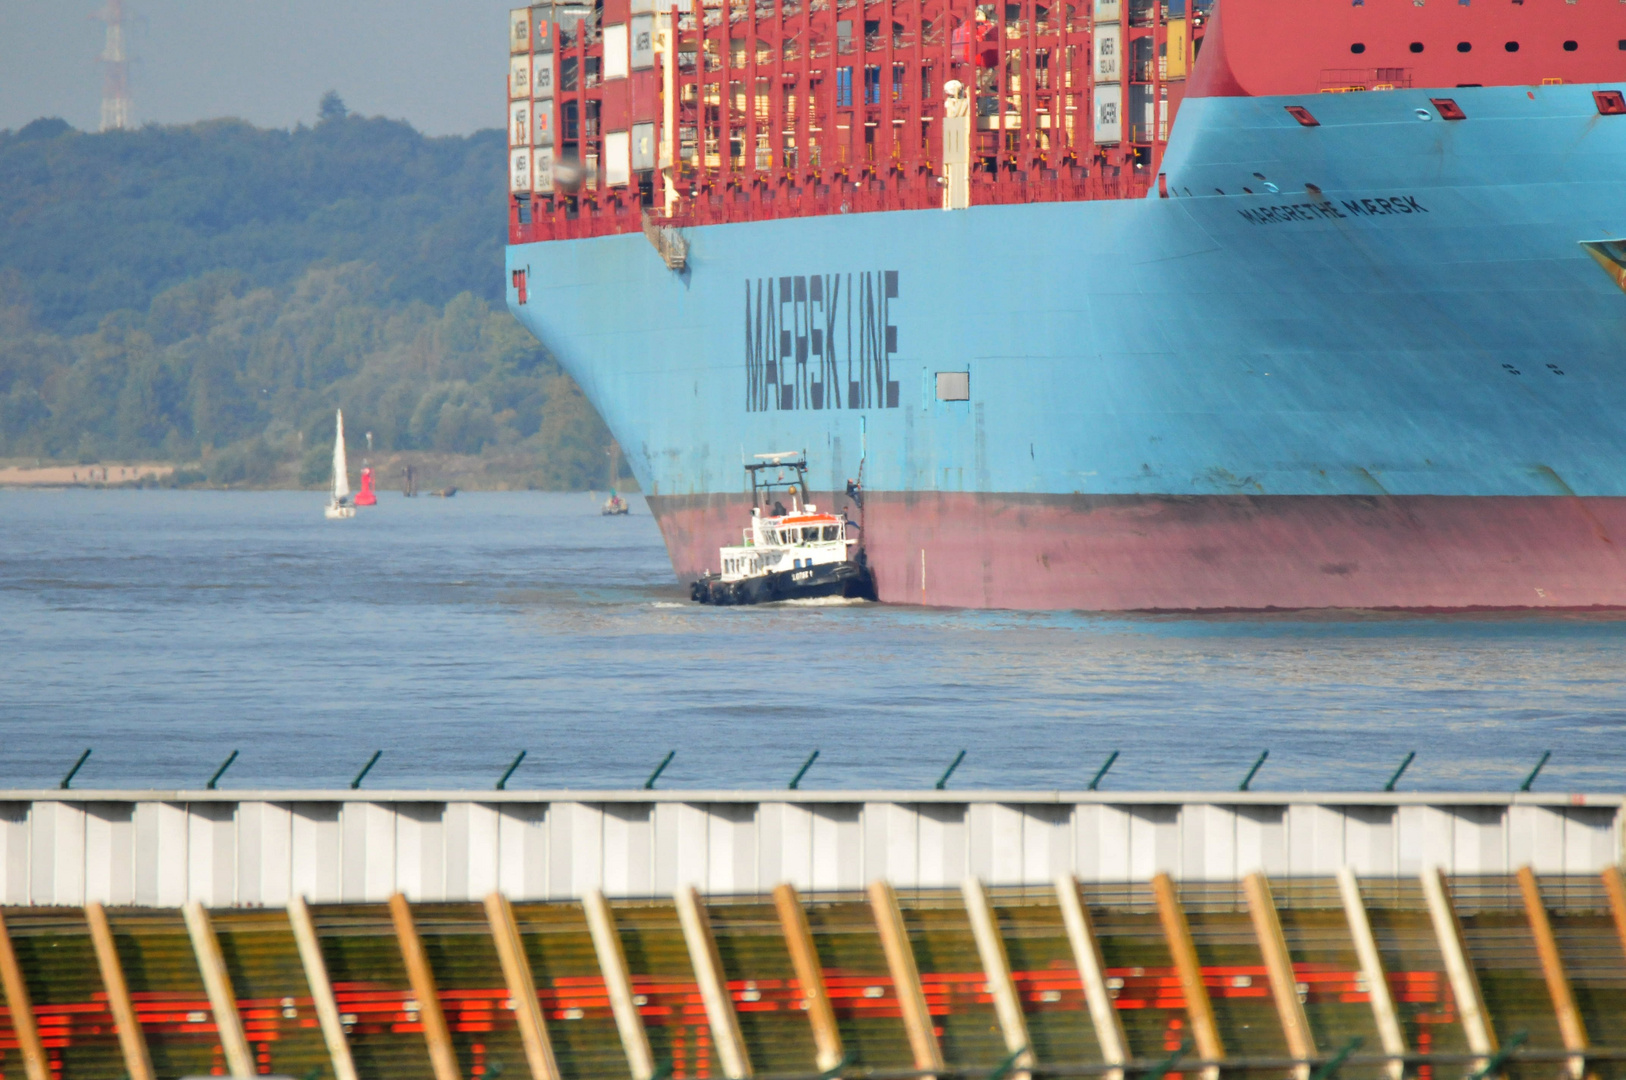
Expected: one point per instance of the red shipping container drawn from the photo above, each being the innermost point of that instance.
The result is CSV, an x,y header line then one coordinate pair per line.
x,y
616,11
646,95
613,112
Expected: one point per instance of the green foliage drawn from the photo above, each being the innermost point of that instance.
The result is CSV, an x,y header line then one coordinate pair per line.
x,y
246,377
101,223
213,292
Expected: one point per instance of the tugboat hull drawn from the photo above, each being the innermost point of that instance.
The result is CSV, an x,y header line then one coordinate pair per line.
x,y
850,579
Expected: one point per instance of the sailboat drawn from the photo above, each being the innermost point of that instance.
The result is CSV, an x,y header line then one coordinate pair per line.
x,y
338,504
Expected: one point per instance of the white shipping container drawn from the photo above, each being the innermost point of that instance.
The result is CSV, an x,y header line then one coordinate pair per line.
x,y
519,76
1108,113
519,123
1107,11
519,30
643,42
519,171
643,147
617,158
615,51
1108,53
542,75
542,123
647,7
542,171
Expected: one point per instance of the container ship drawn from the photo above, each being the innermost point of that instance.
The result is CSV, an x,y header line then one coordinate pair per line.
x,y
1111,305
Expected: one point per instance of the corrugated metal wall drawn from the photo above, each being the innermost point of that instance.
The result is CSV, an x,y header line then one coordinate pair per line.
x,y
260,848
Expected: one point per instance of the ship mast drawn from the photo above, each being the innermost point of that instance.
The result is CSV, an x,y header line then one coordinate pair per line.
x,y
116,70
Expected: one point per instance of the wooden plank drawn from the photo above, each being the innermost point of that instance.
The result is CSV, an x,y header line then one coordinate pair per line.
x,y
1377,980
612,963
804,957
217,982
1284,984
1570,1025
132,1041
1199,1009
708,972
321,987
1476,1023
900,961
516,972
23,1023
996,970
1092,972
442,1058
1615,886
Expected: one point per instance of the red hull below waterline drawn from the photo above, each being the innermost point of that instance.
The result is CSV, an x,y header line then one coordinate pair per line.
x,y
1222,552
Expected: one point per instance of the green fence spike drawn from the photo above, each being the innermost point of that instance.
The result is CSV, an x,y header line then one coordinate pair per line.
x,y
1494,1064
502,785
806,765
1246,780
1531,779
1404,765
649,785
1102,771
67,781
365,769
1166,1066
1336,1062
1003,1069
942,781
224,765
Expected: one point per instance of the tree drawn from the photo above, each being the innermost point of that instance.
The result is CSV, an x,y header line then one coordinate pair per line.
x,y
332,107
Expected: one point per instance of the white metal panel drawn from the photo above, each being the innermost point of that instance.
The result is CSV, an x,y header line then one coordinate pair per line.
x,y
1109,60
160,854
522,839
519,77
1154,841
369,851
1423,837
891,844
59,853
1108,113
575,849
542,75
731,857
1479,840
838,847
1369,840
629,849
265,852
796,845
473,851
420,851
617,51
14,852
1104,842
1535,838
1590,839
681,847
211,846
1207,843
109,854
1262,840
996,830
617,158
316,851
943,838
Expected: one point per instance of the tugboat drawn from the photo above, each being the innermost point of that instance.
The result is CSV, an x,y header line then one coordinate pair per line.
x,y
615,505
787,554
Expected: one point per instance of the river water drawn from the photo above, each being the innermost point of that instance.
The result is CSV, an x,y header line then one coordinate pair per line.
x,y
165,629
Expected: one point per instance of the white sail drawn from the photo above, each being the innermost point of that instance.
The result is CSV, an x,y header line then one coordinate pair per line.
x,y
341,468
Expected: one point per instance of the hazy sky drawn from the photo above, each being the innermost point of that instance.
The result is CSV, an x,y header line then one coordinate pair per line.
x,y
439,64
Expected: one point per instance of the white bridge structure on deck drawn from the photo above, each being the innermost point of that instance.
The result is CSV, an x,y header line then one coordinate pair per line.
x,y
225,848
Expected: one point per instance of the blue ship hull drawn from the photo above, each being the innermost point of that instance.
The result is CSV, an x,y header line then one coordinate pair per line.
x,y
1386,375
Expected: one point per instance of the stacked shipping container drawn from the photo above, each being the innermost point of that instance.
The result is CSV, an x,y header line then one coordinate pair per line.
x,y
621,116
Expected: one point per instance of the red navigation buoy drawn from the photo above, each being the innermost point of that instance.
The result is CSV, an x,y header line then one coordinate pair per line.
x,y
366,496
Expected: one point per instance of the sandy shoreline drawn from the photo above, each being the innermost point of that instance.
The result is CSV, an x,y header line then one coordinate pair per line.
x,y
97,475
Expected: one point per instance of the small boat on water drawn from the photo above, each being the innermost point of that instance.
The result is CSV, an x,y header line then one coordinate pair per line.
x,y
338,503
787,554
